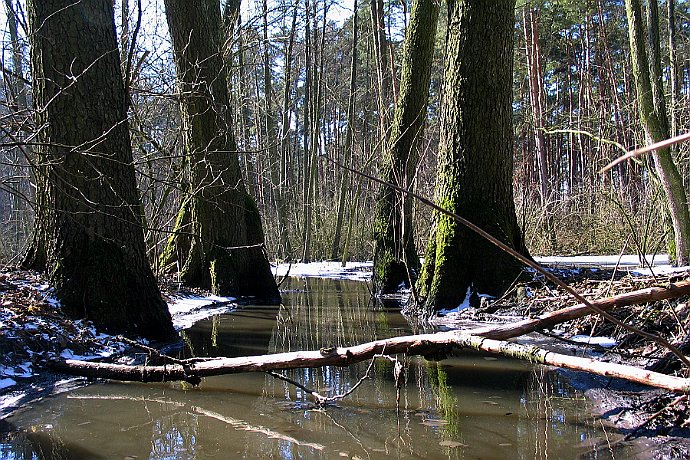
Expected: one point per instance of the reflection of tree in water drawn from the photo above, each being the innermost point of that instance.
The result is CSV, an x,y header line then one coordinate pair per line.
x,y
174,433
328,313
548,402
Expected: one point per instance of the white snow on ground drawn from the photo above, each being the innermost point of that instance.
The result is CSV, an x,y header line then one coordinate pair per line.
x,y
6,383
355,271
602,341
187,310
628,262
22,370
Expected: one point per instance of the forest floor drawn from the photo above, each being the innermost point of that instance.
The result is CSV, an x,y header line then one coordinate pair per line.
x,y
33,332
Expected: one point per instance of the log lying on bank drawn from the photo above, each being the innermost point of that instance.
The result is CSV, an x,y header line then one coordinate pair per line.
x,y
548,320
424,344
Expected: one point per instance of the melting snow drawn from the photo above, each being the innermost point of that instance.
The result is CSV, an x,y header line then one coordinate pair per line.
x,y
21,370
6,383
187,310
659,262
355,271
606,342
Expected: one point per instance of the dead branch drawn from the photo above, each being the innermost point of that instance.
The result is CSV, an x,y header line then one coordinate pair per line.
x,y
422,344
527,261
548,320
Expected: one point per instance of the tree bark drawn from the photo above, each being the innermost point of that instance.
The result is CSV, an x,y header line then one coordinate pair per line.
x,y
652,110
226,254
475,159
396,260
89,237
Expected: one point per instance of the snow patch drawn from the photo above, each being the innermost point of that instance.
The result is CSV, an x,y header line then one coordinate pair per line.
x,y
624,261
355,271
6,383
187,310
602,341
635,264
23,370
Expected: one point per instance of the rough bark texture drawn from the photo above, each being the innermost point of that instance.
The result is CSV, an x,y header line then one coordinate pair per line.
x,y
475,158
89,237
226,253
396,260
652,110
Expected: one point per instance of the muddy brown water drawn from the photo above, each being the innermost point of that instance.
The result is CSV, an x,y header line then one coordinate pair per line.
x,y
468,406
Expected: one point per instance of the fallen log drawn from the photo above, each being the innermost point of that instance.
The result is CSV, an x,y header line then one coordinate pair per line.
x,y
193,370
548,320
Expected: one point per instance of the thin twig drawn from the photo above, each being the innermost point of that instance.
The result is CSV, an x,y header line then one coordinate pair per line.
x,y
319,398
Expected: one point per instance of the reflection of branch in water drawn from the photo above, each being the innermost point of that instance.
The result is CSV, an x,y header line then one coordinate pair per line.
x,y
350,433
235,423
319,398
244,426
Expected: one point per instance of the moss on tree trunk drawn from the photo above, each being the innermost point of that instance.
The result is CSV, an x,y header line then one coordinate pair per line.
x,y
396,260
475,158
226,254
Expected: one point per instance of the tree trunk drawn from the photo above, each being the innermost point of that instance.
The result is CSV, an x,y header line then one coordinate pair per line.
x,y
536,87
345,179
654,119
475,159
673,65
227,247
271,141
396,260
90,233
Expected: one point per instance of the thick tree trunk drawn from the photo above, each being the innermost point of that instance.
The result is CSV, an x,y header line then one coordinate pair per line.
x,y
650,102
475,158
396,260
89,236
226,254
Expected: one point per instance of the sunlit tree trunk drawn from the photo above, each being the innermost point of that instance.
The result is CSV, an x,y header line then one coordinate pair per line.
x,y
272,141
396,260
227,246
673,64
91,240
345,178
475,158
538,109
651,105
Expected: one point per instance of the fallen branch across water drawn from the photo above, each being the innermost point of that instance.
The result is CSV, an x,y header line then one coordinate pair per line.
x,y
424,344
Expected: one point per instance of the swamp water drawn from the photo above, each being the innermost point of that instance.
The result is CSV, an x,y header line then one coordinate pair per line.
x,y
469,406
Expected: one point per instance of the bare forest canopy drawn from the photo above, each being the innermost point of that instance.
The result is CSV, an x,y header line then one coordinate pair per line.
x,y
290,91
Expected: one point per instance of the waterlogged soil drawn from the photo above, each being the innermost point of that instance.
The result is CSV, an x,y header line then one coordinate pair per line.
x,y
468,405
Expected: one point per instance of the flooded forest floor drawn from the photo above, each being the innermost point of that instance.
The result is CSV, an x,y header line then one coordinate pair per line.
x,y
33,331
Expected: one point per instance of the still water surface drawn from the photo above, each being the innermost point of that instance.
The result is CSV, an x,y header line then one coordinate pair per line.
x,y
469,406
